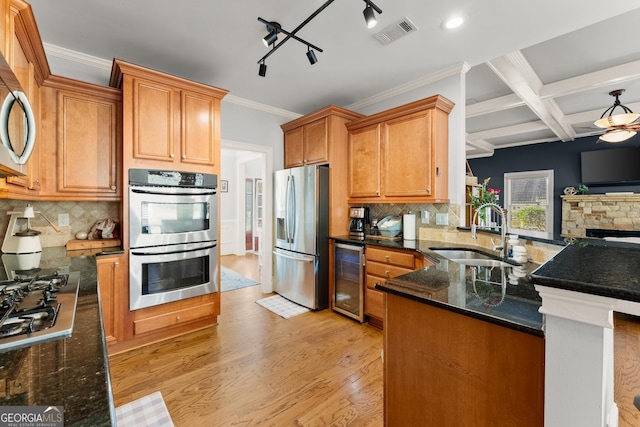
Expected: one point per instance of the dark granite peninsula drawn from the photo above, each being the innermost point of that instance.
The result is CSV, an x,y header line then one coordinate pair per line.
x,y
500,295
69,372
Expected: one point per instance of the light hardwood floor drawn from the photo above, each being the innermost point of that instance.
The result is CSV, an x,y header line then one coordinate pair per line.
x,y
256,368
316,369
247,265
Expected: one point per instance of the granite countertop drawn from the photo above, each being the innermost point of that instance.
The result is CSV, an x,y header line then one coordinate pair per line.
x,y
71,372
594,266
501,295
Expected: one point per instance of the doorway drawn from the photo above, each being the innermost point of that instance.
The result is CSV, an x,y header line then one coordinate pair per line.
x,y
245,209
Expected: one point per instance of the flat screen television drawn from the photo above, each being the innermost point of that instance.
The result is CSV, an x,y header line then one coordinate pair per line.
x,y
611,166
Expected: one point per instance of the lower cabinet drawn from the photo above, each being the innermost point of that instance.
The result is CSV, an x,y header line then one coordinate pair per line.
x,y
383,264
112,272
161,318
443,368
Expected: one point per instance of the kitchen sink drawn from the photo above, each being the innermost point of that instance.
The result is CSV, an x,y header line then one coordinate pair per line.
x,y
471,257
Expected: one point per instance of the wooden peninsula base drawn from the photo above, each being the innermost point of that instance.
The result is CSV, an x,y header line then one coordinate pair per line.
x,y
445,369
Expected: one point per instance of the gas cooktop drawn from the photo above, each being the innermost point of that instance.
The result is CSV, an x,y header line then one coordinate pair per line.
x,y
37,309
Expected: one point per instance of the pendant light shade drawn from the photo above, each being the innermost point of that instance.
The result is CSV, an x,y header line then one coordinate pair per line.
x,y
617,135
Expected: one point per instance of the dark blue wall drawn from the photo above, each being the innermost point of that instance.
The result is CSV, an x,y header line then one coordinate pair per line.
x,y
562,157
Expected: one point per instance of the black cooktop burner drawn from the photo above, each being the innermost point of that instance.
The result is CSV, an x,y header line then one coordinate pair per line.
x,y
37,309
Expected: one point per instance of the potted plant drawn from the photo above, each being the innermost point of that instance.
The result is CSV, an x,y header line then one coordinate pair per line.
x,y
481,195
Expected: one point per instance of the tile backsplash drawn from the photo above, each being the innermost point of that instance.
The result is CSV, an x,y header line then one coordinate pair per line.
x,y
82,216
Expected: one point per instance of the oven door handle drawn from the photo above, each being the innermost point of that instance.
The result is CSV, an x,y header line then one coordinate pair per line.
x,y
173,249
168,191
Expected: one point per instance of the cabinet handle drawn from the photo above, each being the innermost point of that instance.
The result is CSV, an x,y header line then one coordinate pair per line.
x,y
387,273
171,155
116,264
177,317
377,193
184,156
113,187
36,182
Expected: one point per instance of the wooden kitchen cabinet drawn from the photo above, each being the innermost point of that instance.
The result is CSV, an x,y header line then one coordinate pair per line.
x,y
382,264
401,155
82,128
320,138
307,144
112,274
443,368
168,122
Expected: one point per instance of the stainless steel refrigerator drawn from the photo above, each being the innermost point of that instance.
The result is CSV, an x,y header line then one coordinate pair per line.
x,y
301,227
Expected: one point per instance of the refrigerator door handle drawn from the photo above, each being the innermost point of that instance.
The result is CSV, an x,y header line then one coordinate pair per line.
x,y
304,258
287,213
291,215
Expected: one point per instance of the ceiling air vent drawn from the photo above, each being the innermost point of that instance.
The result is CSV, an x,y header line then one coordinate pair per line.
x,y
395,31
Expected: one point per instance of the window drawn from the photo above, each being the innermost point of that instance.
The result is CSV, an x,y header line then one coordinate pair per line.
x,y
529,203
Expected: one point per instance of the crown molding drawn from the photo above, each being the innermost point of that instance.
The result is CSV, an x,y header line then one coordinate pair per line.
x,y
412,85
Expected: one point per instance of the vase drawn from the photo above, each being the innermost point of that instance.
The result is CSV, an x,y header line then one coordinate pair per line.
x,y
484,217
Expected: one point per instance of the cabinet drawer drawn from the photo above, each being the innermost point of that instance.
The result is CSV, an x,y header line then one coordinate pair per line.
x,y
374,303
401,259
173,318
386,270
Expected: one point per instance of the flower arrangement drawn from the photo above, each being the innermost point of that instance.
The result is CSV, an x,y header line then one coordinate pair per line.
x,y
483,195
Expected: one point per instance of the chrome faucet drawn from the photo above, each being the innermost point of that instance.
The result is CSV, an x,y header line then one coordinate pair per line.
x,y
504,252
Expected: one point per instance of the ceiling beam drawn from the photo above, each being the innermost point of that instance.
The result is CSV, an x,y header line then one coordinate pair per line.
x,y
516,72
602,78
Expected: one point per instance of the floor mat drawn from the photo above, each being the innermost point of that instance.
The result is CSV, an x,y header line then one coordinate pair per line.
x,y
149,411
230,280
282,306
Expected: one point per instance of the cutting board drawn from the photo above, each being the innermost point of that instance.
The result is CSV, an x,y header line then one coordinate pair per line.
x,y
73,245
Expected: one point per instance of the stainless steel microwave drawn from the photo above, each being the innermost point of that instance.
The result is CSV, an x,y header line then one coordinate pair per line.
x,y
17,124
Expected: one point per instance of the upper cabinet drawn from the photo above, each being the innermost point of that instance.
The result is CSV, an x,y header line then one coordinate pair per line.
x,y
401,154
168,122
81,127
321,137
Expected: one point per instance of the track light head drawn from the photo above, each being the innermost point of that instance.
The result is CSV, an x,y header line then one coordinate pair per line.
x,y
263,70
312,56
369,16
270,39
274,28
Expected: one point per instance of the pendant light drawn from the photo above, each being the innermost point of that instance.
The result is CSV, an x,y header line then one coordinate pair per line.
x,y
618,127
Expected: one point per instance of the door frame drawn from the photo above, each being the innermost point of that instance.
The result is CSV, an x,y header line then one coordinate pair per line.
x,y
265,254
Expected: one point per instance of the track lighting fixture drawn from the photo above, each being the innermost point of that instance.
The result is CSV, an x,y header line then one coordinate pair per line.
x,y
275,28
618,127
311,55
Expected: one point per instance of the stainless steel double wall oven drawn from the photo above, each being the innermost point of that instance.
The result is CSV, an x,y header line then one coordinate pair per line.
x,y
173,236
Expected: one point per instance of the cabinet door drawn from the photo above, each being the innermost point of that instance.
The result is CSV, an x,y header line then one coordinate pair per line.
x,y
407,153
111,273
155,126
364,162
87,144
316,148
198,119
293,143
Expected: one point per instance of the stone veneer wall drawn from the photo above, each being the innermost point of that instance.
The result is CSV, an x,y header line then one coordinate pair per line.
x,y
599,211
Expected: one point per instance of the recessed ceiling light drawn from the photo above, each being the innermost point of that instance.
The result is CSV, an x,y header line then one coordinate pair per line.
x,y
453,22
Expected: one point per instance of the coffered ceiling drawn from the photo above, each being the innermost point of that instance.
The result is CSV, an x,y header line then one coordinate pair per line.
x,y
540,71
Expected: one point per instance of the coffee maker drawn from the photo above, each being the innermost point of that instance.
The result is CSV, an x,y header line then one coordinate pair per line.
x,y
358,222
